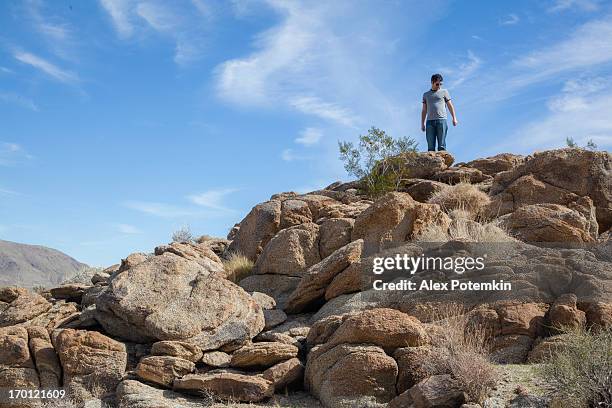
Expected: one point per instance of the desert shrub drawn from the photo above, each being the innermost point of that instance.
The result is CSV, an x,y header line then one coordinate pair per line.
x,y
183,234
237,267
465,229
571,143
463,353
377,160
581,373
463,196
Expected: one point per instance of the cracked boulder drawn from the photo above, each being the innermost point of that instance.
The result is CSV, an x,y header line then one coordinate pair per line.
x,y
168,297
343,373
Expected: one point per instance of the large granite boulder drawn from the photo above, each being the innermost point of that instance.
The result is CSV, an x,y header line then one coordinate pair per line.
x,y
496,164
278,287
557,177
22,305
393,219
91,362
256,229
291,251
550,223
17,368
314,282
422,165
197,252
387,328
171,298
343,373
44,356
334,233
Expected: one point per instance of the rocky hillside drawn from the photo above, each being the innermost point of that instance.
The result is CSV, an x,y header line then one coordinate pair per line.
x,y
182,327
34,265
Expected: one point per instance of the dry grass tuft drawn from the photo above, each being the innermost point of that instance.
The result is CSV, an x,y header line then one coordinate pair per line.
x,y
237,267
464,353
463,196
464,229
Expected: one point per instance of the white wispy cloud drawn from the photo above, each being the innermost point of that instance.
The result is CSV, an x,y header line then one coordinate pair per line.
x,y
6,70
12,154
119,12
291,66
464,70
585,5
205,204
202,7
47,67
283,50
337,61
160,209
10,97
290,155
579,111
587,46
128,229
510,19
212,199
7,192
159,17
309,136
316,106
55,31
584,49
181,22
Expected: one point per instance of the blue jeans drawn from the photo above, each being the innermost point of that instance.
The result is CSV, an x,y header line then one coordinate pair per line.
x,y
436,130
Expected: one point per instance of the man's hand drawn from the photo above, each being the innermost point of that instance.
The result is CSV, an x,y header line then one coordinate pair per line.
x,y
455,122
423,127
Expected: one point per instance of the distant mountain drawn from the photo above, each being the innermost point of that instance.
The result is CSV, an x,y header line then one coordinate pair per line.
x,y
34,265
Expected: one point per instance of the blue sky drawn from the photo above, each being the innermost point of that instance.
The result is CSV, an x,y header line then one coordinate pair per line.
x,y
124,120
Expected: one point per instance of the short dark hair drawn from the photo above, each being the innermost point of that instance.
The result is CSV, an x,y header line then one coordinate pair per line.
x,y
436,77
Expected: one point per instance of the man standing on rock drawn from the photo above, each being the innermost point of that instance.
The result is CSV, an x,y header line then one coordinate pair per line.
x,y
434,109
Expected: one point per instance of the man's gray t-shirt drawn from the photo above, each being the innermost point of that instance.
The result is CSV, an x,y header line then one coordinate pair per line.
x,y
436,103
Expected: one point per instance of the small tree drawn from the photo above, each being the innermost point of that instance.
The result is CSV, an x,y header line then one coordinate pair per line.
x,y
591,145
183,234
377,160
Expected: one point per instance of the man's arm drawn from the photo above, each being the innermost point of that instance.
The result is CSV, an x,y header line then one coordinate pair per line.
x,y
423,115
451,108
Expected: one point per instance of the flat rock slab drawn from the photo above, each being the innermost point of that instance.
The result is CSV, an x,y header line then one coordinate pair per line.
x,y
263,354
227,386
162,370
